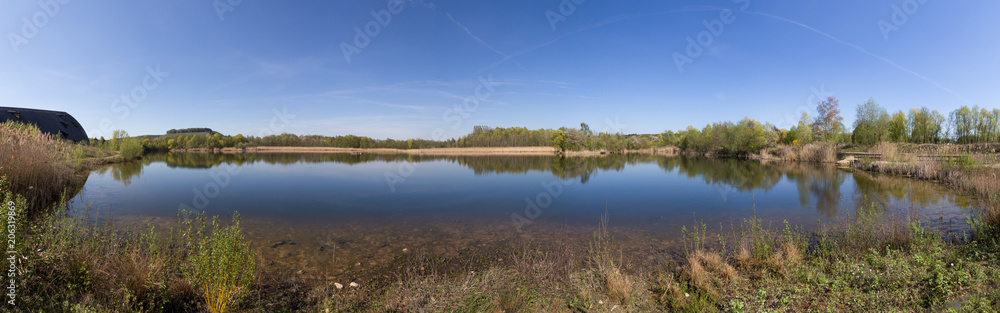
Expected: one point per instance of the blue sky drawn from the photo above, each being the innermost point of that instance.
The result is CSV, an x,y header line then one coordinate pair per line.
x,y
610,64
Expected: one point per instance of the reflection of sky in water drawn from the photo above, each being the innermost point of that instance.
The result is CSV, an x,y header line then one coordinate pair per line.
x,y
653,196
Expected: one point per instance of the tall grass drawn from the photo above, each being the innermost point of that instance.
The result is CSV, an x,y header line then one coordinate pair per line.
x,y
37,165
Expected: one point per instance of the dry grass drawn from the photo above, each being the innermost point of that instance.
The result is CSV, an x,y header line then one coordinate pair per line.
x,y
708,272
742,256
607,260
819,152
886,149
37,165
923,169
791,252
784,259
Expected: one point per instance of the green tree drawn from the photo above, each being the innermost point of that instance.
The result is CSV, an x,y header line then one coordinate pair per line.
x,y
559,140
872,123
790,136
751,136
898,127
575,139
804,129
925,125
962,123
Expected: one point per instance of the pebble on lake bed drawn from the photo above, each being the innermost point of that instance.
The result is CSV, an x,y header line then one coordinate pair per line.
x,y
354,285
338,285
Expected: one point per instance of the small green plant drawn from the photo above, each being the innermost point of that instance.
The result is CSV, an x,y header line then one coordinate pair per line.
x,y
735,305
696,239
222,264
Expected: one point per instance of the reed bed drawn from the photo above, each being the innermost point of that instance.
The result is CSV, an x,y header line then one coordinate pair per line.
x,y
37,165
819,152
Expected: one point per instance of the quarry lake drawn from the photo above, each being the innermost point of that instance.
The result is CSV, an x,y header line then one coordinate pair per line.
x,y
329,213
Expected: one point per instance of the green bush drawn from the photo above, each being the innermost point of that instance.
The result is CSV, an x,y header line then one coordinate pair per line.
x,y
221,264
130,148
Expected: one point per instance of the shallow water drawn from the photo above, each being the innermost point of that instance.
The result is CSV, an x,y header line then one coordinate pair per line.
x,y
334,211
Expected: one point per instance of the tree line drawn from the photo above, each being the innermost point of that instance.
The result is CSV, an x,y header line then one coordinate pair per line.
x,y
751,136
190,130
963,125
873,124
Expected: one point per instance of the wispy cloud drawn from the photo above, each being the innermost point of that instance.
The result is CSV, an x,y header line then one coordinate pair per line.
x,y
419,108
862,50
481,41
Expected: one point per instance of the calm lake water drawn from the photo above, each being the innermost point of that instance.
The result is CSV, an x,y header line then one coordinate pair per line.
x,y
333,211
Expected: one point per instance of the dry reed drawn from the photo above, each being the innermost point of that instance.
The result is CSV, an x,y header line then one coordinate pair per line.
x,y
36,164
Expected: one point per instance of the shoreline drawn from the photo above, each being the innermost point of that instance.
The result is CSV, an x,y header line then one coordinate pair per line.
x,y
473,151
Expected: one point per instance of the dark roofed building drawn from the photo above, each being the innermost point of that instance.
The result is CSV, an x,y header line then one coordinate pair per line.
x,y
60,124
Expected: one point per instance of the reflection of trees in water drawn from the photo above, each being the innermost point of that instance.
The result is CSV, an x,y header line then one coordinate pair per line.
x,y
874,191
816,181
739,174
208,160
564,168
123,172
813,181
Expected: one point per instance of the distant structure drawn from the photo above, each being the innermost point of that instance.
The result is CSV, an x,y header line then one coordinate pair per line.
x,y
59,124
